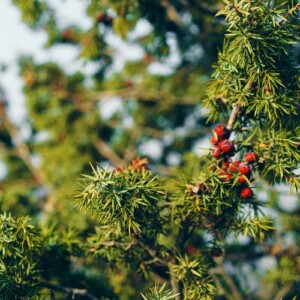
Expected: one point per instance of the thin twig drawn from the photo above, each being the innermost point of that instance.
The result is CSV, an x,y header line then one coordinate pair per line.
x,y
289,13
235,292
124,245
174,282
24,154
171,12
67,290
152,252
282,292
234,114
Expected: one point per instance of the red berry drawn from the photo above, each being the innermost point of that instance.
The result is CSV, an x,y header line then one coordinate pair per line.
x,y
222,132
225,164
242,179
225,176
245,168
251,157
214,140
191,249
234,166
226,146
246,192
216,152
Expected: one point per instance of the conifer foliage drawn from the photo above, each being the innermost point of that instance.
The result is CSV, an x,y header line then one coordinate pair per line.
x,y
136,230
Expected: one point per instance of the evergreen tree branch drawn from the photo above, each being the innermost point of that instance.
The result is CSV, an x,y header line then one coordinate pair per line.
x,y
152,252
290,12
71,291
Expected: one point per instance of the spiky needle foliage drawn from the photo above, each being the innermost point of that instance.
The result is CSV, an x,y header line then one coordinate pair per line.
x,y
139,228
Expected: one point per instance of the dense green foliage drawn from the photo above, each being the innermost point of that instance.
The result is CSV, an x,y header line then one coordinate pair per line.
x,y
175,226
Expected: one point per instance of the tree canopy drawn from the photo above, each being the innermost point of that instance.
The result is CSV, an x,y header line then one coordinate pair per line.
x,y
106,198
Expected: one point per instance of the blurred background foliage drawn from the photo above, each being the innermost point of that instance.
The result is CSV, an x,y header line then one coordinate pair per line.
x,y
111,117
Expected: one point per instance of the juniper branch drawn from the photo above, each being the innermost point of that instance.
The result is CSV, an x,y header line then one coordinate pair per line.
x,y
152,252
291,11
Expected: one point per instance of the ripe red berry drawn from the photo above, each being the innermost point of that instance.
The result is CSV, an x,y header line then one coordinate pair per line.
x,y
222,132
225,176
245,168
216,152
246,192
251,157
242,179
214,140
225,165
234,166
226,146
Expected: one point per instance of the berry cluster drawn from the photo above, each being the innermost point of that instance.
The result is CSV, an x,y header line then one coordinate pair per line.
x,y
223,148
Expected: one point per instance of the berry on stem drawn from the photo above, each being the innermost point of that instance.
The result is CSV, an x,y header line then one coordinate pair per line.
x,y
214,140
246,193
242,179
222,132
251,157
226,146
245,168
216,152
225,165
225,176
234,166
